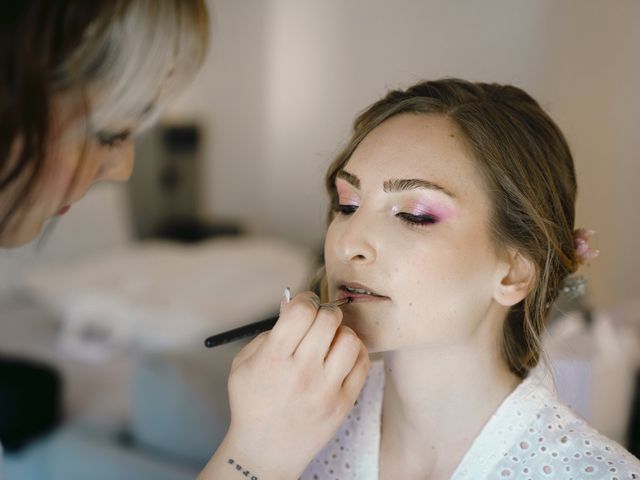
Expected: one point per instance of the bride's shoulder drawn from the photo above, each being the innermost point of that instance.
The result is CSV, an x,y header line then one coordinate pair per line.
x,y
560,441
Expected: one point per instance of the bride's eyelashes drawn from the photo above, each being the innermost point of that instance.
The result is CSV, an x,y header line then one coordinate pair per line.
x,y
413,219
420,220
345,209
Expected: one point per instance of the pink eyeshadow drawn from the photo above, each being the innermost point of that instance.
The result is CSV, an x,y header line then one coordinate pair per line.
x,y
346,195
441,212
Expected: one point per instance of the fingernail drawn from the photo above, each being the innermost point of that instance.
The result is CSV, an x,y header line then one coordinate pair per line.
x,y
287,295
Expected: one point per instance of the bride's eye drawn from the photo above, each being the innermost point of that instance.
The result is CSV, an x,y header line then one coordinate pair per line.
x,y
417,219
345,209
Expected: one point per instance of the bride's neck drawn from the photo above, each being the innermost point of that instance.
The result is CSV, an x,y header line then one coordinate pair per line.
x,y
436,401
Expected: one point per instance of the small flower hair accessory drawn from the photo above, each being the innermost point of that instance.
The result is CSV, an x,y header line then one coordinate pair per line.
x,y
584,252
576,285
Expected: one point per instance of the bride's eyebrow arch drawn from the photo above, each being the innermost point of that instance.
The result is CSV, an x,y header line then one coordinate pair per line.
x,y
397,185
349,177
401,185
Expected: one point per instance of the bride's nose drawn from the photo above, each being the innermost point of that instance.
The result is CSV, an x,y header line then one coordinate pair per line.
x,y
356,243
118,166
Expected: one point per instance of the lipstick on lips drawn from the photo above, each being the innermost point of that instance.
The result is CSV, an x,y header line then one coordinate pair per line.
x,y
358,292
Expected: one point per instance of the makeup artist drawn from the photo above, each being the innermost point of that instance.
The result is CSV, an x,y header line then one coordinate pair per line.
x,y
78,81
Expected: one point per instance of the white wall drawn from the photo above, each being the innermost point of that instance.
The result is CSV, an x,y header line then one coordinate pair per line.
x,y
230,98
285,79
591,86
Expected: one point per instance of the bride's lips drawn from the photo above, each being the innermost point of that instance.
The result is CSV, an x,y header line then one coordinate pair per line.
x,y
346,289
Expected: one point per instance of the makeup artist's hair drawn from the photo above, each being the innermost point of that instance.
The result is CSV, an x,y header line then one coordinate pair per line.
x,y
528,172
121,58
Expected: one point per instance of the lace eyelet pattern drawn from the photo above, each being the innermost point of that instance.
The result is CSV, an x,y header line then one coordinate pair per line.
x,y
531,436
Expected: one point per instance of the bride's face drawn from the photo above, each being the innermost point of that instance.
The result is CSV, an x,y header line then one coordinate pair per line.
x,y
412,228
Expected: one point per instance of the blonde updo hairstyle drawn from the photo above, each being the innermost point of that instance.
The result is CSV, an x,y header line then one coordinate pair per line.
x,y
529,173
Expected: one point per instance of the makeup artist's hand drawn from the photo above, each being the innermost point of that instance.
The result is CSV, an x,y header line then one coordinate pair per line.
x,y
289,391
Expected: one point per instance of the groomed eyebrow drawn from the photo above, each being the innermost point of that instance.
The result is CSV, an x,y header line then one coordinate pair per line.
x,y
349,177
398,185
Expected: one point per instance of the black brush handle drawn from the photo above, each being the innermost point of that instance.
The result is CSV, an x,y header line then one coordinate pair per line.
x,y
241,332
258,327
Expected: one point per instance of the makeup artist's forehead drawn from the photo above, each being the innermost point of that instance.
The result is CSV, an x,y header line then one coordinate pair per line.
x,y
429,147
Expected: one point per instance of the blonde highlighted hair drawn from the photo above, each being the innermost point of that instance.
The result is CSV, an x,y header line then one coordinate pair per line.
x,y
132,61
121,60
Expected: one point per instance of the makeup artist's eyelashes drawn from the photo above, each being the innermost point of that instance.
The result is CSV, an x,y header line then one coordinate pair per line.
x,y
411,219
112,140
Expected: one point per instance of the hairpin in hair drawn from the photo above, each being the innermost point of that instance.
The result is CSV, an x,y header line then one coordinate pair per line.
x,y
574,286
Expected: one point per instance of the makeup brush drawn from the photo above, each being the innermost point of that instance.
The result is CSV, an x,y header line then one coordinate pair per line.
x,y
257,327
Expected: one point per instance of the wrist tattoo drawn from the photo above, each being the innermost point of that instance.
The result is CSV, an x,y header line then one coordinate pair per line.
x,y
241,470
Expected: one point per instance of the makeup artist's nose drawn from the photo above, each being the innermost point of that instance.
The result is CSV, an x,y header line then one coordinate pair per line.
x,y
354,244
118,166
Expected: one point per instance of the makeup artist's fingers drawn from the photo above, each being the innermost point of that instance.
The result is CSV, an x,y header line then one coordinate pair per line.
x,y
296,317
249,349
314,346
353,383
343,354
281,403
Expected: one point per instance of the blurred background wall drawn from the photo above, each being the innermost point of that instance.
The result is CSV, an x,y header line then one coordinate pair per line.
x,y
285,79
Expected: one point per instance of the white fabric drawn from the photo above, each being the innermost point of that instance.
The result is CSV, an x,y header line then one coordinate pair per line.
x,y
168,296
532,435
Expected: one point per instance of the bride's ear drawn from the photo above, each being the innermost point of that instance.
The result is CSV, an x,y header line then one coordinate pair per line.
x,y
515,279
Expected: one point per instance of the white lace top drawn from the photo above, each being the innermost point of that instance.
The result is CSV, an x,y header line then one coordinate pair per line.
x,y
532,435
